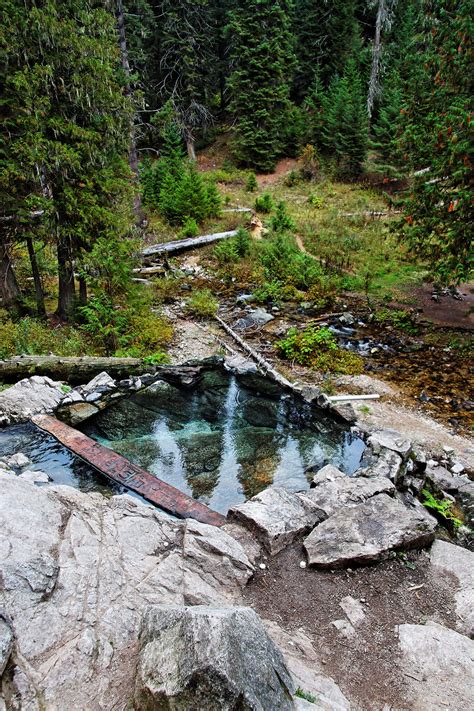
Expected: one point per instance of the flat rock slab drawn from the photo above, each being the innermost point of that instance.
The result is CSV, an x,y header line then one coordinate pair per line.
x,y
390,439
460,563
120,470
276,517
438,666
367,532
77,572
330,496
217,659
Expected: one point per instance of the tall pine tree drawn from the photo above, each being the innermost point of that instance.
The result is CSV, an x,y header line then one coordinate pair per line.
x,y
263,60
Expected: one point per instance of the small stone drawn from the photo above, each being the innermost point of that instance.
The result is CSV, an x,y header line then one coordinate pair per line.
x,y
448,450
457,468
344,627
18,461
302,564
432,463
262,566
35,477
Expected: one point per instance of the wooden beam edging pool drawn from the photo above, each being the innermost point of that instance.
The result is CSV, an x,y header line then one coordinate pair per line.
x,y
121,471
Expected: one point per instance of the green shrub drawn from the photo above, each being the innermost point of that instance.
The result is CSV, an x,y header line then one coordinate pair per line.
x,y
203,303
190,228
251,185
242,242
35,337
264,203
226,252
282,222
293,178
317,348
315,201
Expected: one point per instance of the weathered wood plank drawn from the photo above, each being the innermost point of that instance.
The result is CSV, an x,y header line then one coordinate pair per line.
x,y
120,470
183,244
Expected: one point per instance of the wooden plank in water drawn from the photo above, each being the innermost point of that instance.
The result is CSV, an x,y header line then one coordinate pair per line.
x,y
120,470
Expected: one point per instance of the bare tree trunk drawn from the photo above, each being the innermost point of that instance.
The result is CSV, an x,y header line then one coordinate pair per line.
x,y
190,148
374,83
9,289
40,307
82,291
67,288
132,155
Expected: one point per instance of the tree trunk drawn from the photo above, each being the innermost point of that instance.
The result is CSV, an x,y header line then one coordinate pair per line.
x,y
190,148
39,293
132,155
82,291
374,83
67,288
9,289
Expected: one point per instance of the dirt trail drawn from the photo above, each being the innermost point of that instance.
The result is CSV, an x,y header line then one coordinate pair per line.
x,y
283,167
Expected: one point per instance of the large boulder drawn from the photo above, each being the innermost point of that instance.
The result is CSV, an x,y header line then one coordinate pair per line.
x,y
329,496
458,562
6,644
77,572
29,397
392,440
218,659
276,517
438,666
367,532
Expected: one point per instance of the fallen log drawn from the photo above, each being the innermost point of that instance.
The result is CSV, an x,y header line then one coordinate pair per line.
x,y
260,360
72,369
343,398
183,244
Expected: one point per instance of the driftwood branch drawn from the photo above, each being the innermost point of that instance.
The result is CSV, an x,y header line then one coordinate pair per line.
x,y
260,360
184,244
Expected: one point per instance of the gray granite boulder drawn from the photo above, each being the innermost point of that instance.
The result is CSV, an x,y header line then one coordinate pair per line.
x,y
366,533
458,562
390,439
217,659
330,496
28,397
6,644
438,667
78,570
276,517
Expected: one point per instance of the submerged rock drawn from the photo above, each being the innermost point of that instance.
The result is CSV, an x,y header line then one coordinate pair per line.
x,y
438,665
367,532
276,517
217,659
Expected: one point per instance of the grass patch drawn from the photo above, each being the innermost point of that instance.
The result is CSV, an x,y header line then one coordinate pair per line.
x,y
203,304
306,695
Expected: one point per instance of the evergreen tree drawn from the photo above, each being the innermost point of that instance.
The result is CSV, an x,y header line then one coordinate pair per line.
x,y
344,133
326,32
184,63
262,68
437,135
66,128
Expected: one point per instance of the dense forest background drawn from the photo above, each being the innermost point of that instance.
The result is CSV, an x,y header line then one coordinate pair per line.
x,y
107,103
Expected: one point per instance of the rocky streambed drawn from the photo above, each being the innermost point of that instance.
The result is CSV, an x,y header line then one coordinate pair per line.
x,y
108,603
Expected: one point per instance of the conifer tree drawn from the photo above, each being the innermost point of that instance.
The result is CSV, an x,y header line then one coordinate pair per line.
x,y
263,61
66,128
437,135
344,132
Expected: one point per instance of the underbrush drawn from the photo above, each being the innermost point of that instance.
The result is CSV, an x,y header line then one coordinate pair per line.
x,y
318,349
202,303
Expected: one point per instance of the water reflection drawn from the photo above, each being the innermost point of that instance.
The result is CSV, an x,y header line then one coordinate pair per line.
x,y
223,443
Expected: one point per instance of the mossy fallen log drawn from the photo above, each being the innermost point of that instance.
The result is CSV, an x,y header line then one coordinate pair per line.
x,y
72,369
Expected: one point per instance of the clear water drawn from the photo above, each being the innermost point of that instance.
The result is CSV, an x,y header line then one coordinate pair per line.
x,y
223,442
48,456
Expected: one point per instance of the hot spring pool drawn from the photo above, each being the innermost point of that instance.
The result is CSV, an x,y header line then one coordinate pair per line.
x,y
221,442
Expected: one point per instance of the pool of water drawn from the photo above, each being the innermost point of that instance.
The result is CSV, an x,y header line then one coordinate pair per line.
x,y
48,456
223,442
